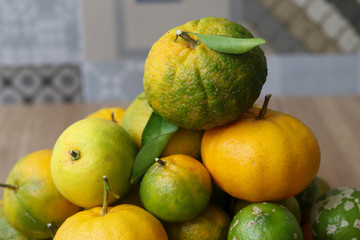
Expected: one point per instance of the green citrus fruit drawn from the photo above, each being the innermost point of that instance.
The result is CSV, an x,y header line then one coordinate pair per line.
x,y
176,188
184,141
290,203
336,215
35,201
199,88
85,152
308,197
212,224
323,187
264,221
7,231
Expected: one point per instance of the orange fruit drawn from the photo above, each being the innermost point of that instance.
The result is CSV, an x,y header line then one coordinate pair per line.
x,y
212,224
200,88
85,152
35,202
261,157
264,221
114,114
184,141
7,231
176,188
336,215
125,222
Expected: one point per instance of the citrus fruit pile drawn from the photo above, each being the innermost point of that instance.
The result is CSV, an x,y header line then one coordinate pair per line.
x,y
192,157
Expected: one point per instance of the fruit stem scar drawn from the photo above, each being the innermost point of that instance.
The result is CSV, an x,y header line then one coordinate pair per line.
x,y
9,186
113,117
75,155
161,162
50,226
264,107
192,43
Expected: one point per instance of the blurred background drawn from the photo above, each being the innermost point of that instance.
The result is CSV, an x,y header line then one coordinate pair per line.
x,y
94,51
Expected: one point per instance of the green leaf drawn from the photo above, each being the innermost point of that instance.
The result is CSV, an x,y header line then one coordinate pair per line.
x,y
155,127
227,44
155,137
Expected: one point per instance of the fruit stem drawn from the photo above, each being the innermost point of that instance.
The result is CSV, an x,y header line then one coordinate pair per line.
x,y
113,117
161,162
193,43
10,186
75,155
50,226
106,196
264,107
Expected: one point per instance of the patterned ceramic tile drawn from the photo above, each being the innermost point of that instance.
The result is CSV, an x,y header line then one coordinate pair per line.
x,y
350,10
40,84
113,80
37,31
277,35
317,10
315,26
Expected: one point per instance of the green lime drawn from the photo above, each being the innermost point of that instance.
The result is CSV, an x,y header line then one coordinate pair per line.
x,y
264,220
290,203
336,215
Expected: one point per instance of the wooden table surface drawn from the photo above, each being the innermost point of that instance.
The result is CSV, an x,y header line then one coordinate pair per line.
x,y
335,121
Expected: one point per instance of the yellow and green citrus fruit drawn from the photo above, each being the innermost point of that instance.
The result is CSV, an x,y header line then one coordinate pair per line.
x,y
36,201
125,222
212,224
266,159
290,203
7,231
200,88
184,141
336,215
85,152
136,117
114,114
264,220
176,188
